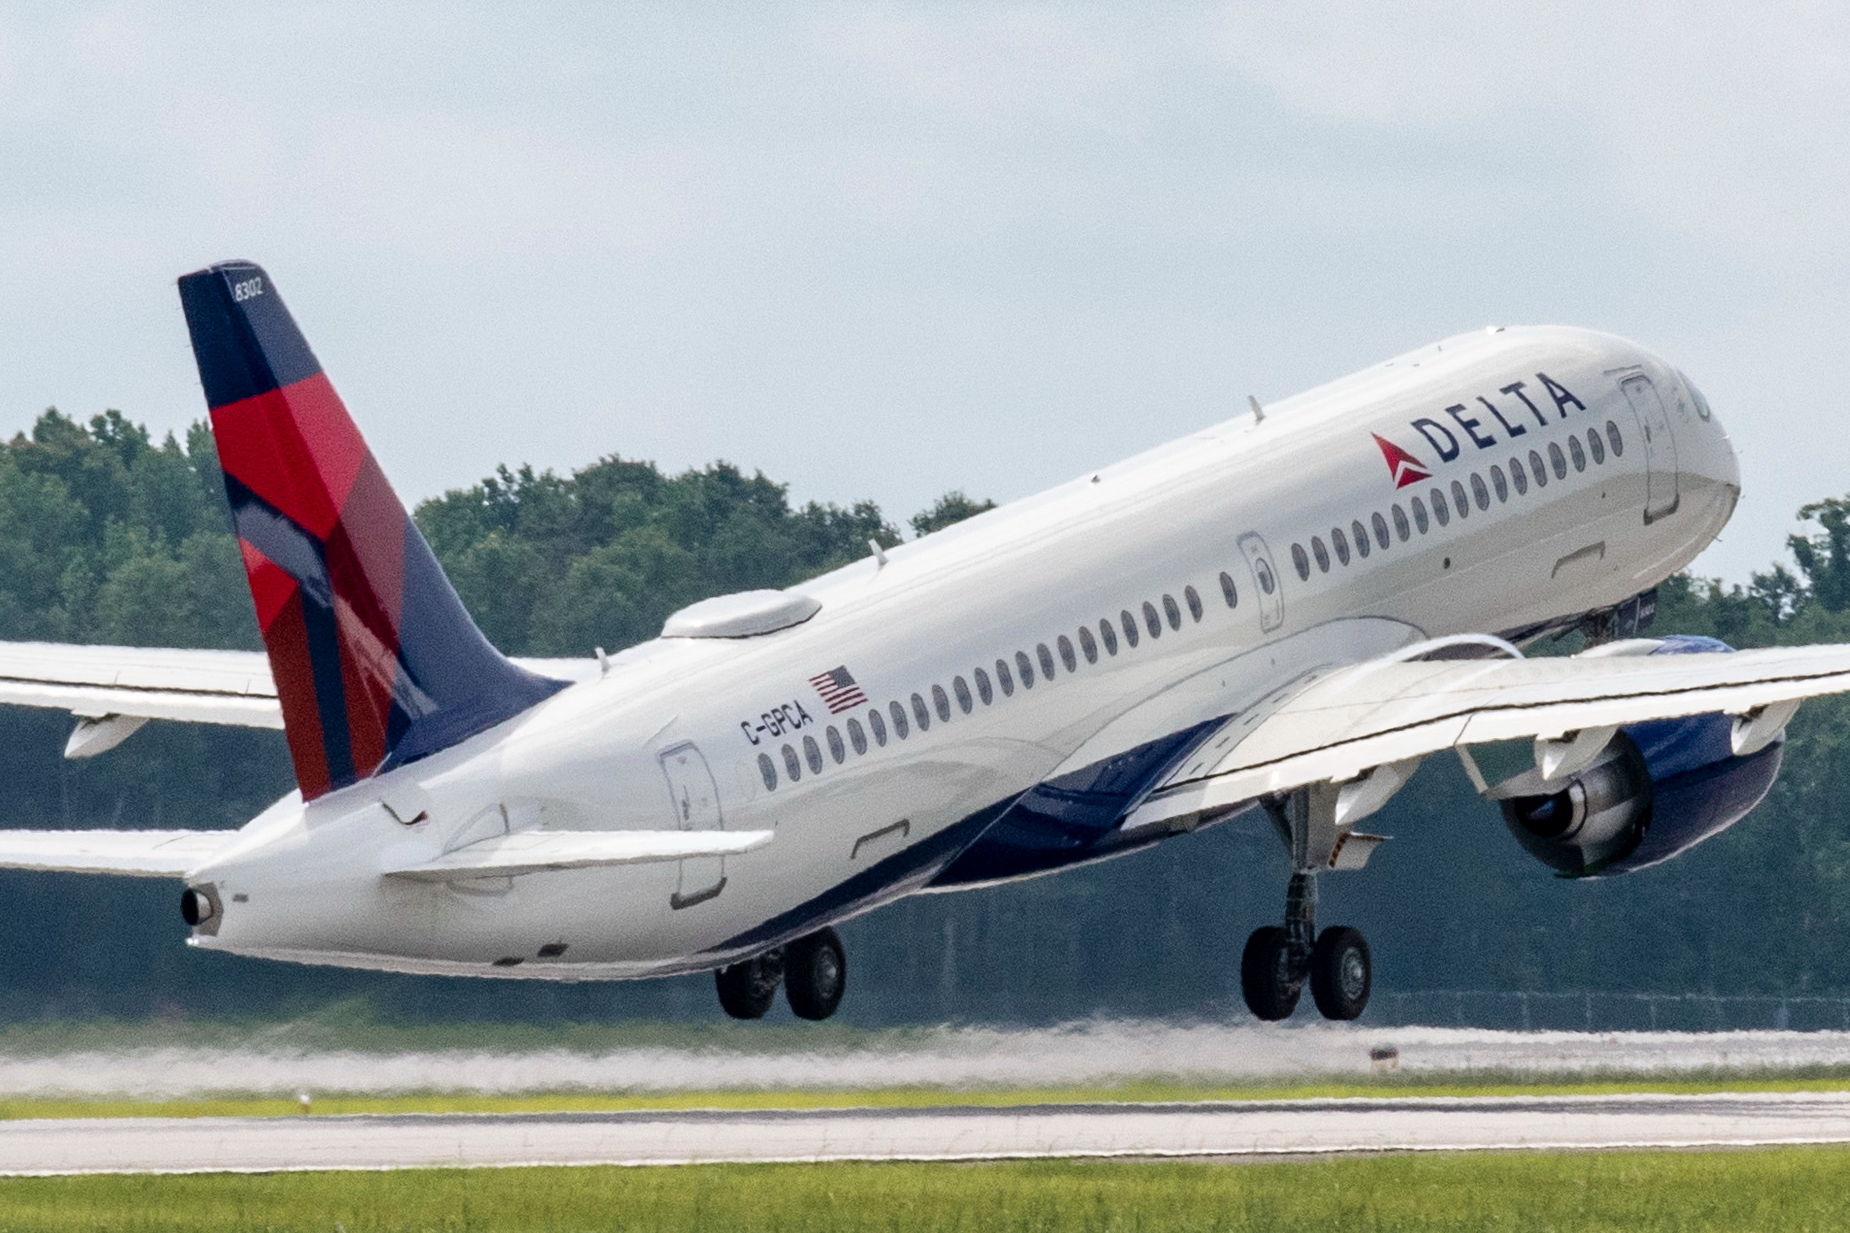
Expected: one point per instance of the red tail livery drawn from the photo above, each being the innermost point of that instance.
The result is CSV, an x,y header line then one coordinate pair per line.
x,y
376,661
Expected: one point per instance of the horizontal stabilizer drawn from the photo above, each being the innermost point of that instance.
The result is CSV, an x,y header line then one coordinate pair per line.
x,y
538,851
140,854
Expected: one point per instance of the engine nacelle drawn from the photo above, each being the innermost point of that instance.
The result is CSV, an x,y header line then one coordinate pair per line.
x,y
1656,790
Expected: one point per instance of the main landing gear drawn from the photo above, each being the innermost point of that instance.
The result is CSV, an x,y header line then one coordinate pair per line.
x,y
812,969
1279,959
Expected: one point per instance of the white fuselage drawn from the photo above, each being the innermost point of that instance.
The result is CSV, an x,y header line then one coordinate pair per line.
x,y
678,732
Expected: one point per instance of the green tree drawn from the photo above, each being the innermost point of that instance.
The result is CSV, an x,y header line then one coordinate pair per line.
x,y
952,507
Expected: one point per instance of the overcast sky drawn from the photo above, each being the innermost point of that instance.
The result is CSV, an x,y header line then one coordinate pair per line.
x,y
883,251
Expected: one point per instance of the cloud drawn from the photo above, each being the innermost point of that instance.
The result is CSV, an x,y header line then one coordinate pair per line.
x,y
796,235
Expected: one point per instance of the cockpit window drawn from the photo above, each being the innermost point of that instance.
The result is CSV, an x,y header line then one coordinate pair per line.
x,y
1695,396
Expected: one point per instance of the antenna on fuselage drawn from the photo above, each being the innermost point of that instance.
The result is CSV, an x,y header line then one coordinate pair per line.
x,y
879,553
1258,411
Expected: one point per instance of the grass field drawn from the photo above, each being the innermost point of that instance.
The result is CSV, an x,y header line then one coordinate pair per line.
x,y
889,1098
1789,1189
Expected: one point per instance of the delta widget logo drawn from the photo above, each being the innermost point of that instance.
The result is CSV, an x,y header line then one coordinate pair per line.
x,y
1405,468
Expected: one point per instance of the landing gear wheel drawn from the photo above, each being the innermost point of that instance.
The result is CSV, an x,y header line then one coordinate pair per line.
x,y
1340,973
746,990
815,974
1265,974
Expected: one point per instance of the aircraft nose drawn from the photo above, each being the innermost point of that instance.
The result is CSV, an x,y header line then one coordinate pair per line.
x,y
1714,458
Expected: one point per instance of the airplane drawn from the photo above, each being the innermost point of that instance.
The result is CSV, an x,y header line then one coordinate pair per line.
x,y
1285,613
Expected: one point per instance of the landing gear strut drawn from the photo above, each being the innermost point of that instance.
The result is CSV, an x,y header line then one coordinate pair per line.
x,y
1279,959
812,969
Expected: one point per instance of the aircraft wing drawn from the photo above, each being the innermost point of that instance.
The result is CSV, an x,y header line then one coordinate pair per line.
x,y
143,854
1348,722
213,687
191,686
539,851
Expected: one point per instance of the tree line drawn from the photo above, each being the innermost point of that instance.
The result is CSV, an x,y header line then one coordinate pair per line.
x,y
109,536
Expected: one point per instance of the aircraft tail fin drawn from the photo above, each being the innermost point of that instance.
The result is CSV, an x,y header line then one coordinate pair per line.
x,y
376,661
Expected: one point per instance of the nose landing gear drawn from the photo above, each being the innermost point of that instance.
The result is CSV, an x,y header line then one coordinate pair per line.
x,y
812,969
1279,959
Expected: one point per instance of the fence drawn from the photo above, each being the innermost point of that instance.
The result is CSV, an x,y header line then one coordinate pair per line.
x,y
1606,1012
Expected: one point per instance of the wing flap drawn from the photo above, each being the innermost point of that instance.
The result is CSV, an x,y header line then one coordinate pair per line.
x,y
541,851
145,854
1374,713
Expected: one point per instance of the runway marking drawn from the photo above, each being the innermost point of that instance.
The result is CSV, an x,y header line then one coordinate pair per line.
x,y
1249,1129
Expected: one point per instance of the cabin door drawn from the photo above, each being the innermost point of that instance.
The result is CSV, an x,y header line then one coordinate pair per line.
x,y
1660,447
695,802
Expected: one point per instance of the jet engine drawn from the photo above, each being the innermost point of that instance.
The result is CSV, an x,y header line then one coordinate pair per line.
x,y
1654,791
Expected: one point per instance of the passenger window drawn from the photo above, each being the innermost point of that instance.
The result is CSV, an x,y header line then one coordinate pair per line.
x,y
898,713
1518,476
878,724
1066,653
1003,678
1479,493
1361,536
1615,440
1400,522
767,771
1151,621
793,770
1439,512
942,702
1228,591
1556,460
1596,445
1538,469
1321,553
837,750
1579,455
1192,598
812,754
1046,657
920,714
1130,628
1460,501
1088,645
1499,483
1300,562
965,702
1024,669
857,736
1381,531
983,688
1341,543
1110,635
1171,612
1262,570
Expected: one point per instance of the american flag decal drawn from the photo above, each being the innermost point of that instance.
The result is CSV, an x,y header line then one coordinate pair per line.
x,y
838,690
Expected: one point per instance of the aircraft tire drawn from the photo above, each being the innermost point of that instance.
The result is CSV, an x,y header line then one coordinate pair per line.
x,y
815,974
747,990
1341,973
1265,974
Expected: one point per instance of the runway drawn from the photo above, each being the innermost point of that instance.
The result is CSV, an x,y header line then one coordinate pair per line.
x,y
1230,1130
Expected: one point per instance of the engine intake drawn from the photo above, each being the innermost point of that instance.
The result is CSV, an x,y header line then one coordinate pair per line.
x,y
1597,818
1656,790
